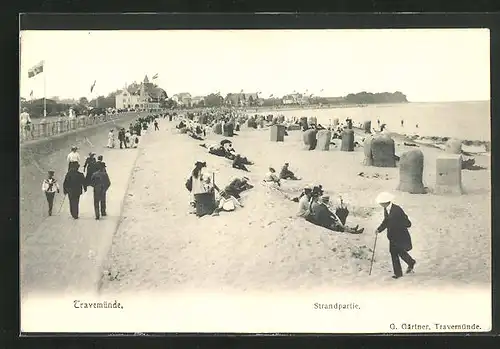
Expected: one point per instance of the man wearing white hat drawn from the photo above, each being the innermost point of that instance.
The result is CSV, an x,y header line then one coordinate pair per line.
x,y
397,223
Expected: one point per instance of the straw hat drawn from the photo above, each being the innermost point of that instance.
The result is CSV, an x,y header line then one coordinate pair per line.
x,y
384,197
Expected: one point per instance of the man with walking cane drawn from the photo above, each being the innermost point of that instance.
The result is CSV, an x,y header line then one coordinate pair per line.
x,y
397,223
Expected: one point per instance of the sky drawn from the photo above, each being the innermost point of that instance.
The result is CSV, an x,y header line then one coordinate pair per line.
x,y
428,65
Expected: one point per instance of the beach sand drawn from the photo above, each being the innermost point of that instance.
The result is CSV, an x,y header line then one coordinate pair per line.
x,y
160,247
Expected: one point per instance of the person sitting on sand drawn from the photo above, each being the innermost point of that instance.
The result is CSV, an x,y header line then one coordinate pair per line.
x,y
286,173
304,202
325,218
237,186
226,203
272,178
239,164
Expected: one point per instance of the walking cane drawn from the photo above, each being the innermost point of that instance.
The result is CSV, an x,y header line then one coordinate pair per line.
x,y
62,202
373,254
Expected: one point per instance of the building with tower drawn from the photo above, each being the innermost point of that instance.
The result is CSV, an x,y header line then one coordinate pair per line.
x,y
144,96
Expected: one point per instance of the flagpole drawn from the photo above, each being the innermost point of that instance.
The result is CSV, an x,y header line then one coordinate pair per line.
x,y
44,92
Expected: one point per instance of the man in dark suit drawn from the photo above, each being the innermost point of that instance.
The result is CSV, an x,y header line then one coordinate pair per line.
x,y
101,183
325,218
397,223
74,185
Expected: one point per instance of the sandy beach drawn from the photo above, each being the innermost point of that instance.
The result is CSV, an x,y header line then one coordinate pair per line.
x,y
160,247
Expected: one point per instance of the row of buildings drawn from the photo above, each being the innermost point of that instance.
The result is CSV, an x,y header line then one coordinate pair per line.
x,y
241,99
146,95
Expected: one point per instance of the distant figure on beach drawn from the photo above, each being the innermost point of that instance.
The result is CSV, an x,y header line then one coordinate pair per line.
x,y
237,186
402,123
73,157
378,122
239,164
397,223
285,173
416,126
382,128
74,185
156,125
50,187
101,183
272,178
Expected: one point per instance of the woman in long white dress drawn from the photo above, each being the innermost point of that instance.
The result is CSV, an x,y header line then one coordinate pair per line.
x,y
111,139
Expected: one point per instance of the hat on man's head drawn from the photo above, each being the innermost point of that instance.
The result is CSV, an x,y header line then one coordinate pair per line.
x,y
245,179
74,147
91,153
384,197
325,199
99,157
51,171
308,187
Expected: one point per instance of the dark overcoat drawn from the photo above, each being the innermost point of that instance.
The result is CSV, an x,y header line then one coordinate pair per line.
x,y
397,224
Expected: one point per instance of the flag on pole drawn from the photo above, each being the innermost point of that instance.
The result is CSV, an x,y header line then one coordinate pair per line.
x,y
155,76
92,87
35,70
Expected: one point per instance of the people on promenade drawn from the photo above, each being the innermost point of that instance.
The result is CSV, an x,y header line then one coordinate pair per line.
x,y
73,157
101,183
25,123
74,185
121,138
127,139
90,167
111,139
397,223
100,161
50,187
134,140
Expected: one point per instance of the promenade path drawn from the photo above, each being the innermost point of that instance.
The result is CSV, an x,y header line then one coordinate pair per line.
x,y
58,254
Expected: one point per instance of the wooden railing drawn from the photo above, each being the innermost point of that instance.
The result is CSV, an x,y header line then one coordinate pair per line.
x,y
50,128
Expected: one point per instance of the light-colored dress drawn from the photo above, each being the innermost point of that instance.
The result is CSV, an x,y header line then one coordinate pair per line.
x,y
111,140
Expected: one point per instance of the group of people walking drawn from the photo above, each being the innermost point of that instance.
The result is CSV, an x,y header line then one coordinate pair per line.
x,y
76,183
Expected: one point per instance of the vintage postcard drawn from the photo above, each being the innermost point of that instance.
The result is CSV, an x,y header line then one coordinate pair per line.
x,y
255,181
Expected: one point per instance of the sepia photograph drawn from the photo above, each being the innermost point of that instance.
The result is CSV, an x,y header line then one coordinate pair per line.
x,y
255,181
